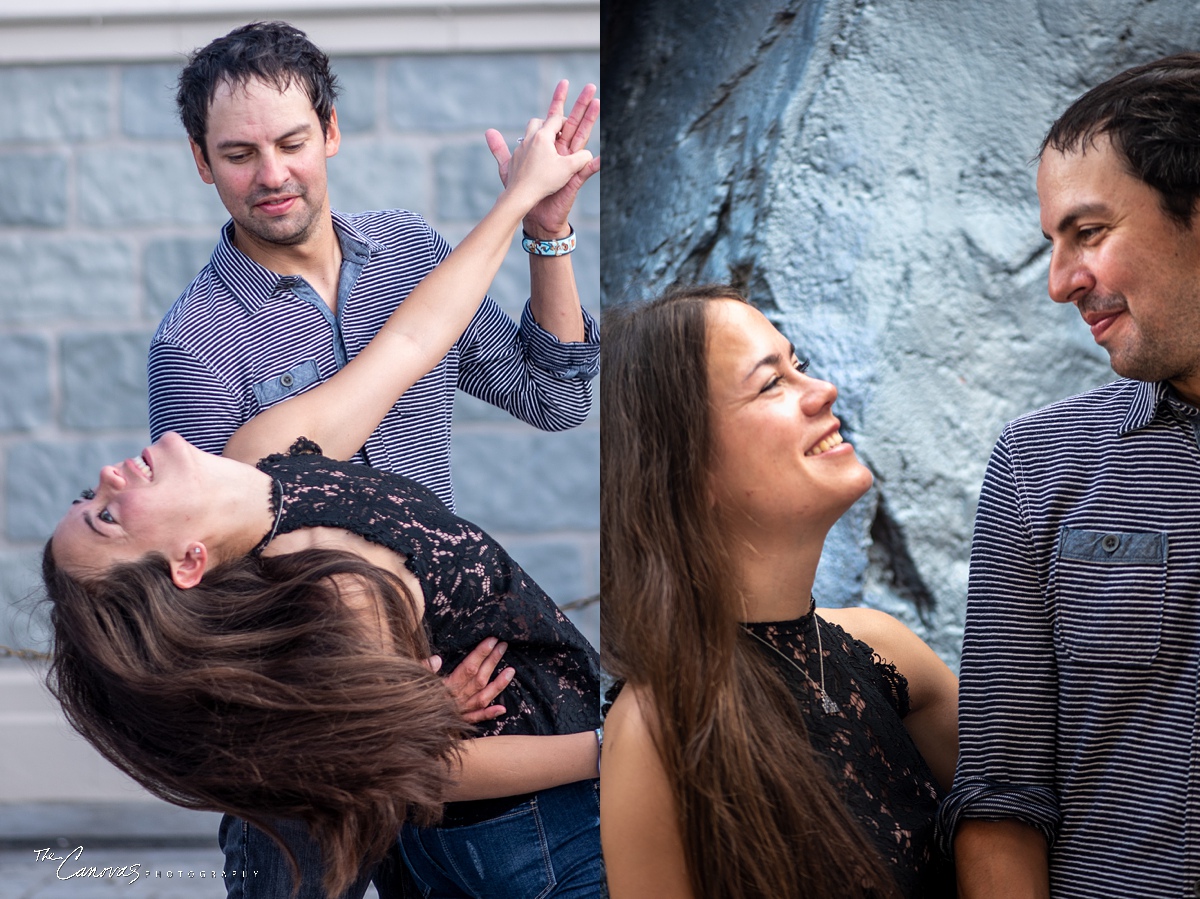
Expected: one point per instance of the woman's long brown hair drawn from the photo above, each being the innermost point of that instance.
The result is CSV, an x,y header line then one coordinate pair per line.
x,y
256,693
757,812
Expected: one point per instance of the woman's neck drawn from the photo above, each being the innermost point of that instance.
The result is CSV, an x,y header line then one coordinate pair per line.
x,y
244,511
776,581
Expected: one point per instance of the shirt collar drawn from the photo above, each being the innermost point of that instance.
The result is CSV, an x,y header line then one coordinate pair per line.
x,y
253,284
1152,399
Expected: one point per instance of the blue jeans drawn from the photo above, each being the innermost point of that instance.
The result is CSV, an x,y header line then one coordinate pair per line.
x,y
255,868
546,846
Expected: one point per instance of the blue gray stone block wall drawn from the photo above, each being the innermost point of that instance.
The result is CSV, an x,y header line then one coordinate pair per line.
x,y
103,222
862,169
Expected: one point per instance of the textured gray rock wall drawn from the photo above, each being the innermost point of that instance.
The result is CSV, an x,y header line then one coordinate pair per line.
x,y
103,221
862,169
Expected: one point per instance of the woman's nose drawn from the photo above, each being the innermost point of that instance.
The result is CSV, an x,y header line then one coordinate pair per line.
x,y
818,396
111,478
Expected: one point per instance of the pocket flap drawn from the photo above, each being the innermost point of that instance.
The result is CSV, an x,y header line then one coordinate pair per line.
x,y
1118,547
295,379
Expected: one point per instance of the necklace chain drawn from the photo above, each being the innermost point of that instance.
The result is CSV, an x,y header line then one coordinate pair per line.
x,y
827,702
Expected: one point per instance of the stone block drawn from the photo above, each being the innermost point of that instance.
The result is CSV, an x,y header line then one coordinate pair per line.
x,y
578,68
148,101
46,103
48,279
524,481
34,187
143,185
168,267
358,100
104,380
464,92
370,173
43,477
588,202
23,623
467,185
25,399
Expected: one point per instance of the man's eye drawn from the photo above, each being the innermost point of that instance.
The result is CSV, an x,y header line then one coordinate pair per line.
x,y
88,493
106,516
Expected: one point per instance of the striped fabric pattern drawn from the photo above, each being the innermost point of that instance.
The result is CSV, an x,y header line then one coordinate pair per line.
x,y
242,338
1078,701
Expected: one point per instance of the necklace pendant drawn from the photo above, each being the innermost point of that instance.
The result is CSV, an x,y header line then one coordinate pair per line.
x,y
830,707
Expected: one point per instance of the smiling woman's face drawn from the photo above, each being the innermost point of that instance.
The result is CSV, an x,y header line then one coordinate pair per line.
x,y
779,459
160,502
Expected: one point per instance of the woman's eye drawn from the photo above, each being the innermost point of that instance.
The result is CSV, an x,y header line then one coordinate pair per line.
x,y
801,365
88,493
774,382
106,516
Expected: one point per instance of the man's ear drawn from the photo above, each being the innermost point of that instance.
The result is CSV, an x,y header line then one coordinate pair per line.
x,y
189,568
333,135
206,174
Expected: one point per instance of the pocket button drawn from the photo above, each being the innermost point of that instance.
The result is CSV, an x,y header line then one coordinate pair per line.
x,y
1110,542
288,380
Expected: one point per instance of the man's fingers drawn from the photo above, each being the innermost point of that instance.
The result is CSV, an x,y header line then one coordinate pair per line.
x,y
559,100
487,714
467,669
580,113
485,696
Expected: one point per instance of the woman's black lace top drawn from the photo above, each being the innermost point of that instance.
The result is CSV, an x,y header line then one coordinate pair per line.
x,y
873,761
473,588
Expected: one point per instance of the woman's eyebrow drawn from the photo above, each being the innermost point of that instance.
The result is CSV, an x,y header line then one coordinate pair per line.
x,y
770,361
88,520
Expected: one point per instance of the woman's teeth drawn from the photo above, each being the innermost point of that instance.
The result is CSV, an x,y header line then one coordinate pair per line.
x,y
144,468
827,444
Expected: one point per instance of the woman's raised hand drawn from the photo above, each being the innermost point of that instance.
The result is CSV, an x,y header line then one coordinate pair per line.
x,y
550,161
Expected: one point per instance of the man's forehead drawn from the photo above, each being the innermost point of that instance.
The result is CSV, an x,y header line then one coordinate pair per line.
x,y
254,88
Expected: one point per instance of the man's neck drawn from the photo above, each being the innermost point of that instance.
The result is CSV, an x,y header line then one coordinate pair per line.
x,y
318,259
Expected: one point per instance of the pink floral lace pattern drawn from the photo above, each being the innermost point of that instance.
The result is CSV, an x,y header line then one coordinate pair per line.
x,y
473,588
873,761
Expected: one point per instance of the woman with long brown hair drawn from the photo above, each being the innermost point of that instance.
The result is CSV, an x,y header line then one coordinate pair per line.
x,y
252,638
758,748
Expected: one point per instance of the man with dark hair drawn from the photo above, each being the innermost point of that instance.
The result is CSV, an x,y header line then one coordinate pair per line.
x,y
1079,773
294,291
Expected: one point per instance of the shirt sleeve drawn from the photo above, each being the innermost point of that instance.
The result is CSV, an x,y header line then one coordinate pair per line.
x,y
188,398
524,370
1008,696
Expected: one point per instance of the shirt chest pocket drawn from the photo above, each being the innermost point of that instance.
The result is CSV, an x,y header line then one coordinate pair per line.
x,y
279,387
1108,588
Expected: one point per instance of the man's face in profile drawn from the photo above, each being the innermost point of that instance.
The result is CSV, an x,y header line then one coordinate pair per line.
x,y
1132,271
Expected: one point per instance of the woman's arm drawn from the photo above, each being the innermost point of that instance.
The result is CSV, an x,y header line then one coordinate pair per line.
x,y
932,719
491,767
341,413
639,828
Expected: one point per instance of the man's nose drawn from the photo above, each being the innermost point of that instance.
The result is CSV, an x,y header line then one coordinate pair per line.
x,y
272,172
1070,278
